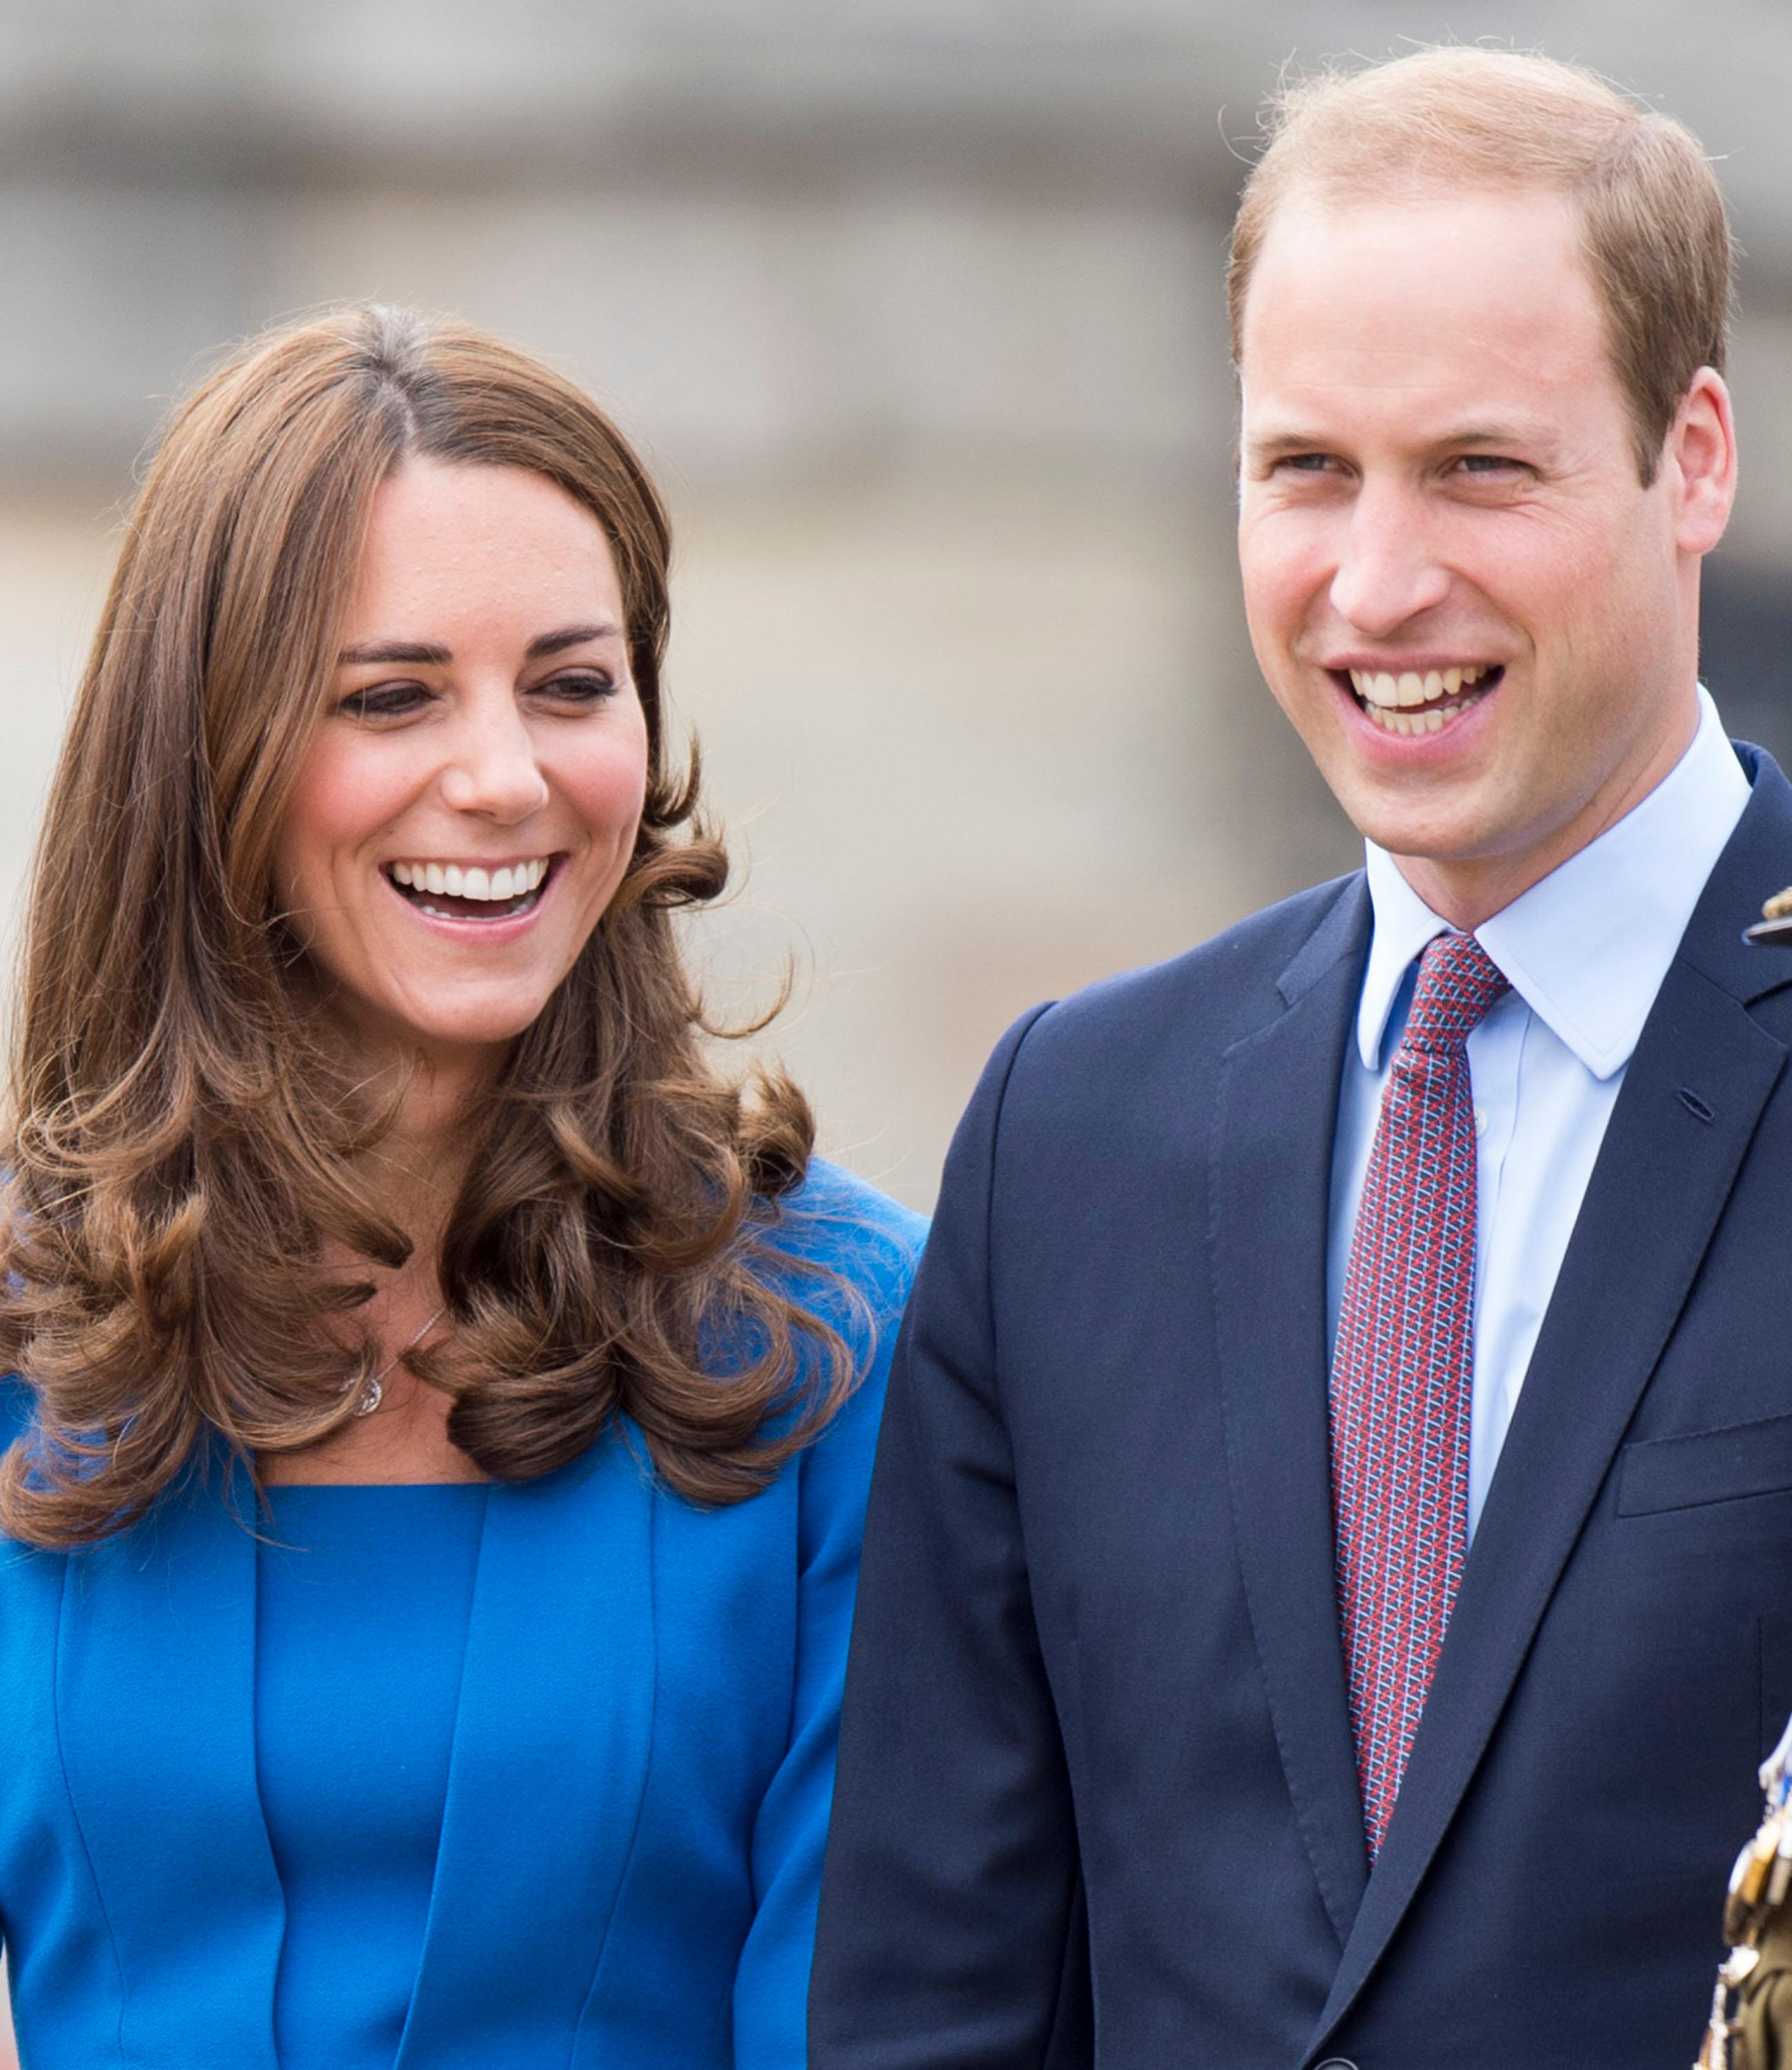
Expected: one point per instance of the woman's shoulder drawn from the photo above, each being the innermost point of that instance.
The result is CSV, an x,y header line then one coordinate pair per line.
x,y
843,1225
854,1252
18,1407
15,1407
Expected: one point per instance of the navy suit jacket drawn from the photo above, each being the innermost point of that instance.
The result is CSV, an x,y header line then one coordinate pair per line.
x,y
1097,1800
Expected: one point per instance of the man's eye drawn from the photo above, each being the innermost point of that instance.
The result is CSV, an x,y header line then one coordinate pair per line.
x,y
383,701
1305,462
1488,464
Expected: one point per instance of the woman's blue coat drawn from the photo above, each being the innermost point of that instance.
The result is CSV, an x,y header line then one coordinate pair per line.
x,y
638,1790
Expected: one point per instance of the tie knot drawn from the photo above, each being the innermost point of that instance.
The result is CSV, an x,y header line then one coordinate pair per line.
x,y
1457,982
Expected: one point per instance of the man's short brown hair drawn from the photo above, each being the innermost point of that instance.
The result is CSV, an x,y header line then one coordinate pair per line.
x,y
1655,235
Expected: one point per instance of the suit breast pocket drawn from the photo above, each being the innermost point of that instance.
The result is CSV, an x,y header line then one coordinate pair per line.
x,y
1658,1474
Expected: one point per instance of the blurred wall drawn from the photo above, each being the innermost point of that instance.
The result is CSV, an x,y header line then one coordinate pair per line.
x,y
915,310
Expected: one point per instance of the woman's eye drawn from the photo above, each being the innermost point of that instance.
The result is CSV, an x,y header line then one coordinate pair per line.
x,y
579,686
384,701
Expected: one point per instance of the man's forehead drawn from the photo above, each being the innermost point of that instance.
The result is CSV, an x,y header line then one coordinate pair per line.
x,y
1475,306
1455,392
1505,255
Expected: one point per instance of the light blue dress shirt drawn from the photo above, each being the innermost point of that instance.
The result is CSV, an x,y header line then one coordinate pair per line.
x,y
1585,950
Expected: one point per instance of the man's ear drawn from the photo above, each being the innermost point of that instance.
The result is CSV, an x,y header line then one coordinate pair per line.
x,y
1699,463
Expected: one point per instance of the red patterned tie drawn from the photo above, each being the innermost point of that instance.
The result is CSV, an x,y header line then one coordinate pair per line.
x,y
1401,1372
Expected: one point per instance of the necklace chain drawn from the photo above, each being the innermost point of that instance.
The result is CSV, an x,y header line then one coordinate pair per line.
x,y
372,1391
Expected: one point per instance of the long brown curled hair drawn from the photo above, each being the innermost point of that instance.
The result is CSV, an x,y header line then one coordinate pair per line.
x,y
184,1137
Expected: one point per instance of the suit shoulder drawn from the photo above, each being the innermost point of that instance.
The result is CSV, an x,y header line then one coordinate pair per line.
x,y
1209,996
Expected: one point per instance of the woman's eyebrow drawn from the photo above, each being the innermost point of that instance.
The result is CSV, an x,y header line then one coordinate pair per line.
x,y
573,635
428,654
422,652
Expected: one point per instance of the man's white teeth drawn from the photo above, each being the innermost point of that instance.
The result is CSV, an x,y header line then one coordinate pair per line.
x,y
1419,721
1414,703
450,879
1390,693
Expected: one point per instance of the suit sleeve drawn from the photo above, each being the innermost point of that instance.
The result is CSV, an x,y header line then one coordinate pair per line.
x,y
950,1896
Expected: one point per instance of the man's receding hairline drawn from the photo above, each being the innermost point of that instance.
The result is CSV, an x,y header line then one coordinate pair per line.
x,y
1342,196
1342,192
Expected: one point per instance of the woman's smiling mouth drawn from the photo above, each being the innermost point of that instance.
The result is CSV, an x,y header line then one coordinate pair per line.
x,y
471,891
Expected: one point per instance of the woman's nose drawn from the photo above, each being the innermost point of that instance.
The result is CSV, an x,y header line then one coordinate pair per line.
x,y
492,770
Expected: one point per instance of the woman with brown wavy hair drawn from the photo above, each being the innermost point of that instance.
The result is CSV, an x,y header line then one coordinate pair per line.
x,y
443,1404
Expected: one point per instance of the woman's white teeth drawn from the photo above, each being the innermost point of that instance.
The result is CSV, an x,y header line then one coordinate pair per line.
x,y
449,880
1398,703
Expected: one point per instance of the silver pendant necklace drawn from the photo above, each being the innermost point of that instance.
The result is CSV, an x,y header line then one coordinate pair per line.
x,y
372,1391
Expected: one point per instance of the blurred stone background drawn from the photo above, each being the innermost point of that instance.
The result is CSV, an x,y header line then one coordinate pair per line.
x,y
914,307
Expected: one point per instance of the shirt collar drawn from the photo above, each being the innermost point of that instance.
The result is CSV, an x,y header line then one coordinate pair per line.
x,y
1587,946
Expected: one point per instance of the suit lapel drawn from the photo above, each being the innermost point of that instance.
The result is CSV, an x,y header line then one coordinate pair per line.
x,y
1656,1194
551,1741
1276,1113
155,1708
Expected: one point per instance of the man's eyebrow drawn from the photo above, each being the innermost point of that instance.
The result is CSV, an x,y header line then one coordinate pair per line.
x,y
1481,436
1491,435
425,653
1275,444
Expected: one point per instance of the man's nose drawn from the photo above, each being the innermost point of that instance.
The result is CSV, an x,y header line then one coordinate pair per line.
x,y
492,768
1387,572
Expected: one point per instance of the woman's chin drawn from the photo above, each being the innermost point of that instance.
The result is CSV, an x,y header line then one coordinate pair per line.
x,y
446,1043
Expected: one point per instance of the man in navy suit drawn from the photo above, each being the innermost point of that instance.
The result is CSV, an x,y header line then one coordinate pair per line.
x,y
1329,1575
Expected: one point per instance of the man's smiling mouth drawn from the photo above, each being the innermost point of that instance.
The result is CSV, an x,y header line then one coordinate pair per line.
x,y
463,891
1413,702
